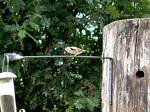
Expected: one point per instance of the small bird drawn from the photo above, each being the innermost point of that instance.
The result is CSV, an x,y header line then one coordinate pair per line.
x,y
73,50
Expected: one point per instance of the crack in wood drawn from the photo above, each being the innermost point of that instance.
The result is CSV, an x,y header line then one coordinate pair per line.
x,y
136,54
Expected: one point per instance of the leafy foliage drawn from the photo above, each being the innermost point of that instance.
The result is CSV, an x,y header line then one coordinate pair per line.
x,y
46,27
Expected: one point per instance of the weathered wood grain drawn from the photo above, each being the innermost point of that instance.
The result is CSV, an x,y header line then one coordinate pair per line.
x,y
7,103
128,43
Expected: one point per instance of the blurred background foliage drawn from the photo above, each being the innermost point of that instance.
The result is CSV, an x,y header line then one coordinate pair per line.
x,y
46,27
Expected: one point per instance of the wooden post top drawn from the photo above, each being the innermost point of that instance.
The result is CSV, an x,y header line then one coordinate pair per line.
x,y
5,75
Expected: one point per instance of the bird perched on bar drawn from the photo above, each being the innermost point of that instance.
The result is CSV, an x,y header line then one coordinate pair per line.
x,y
73,51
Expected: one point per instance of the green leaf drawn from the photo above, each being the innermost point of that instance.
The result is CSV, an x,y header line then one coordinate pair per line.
x,y
112,10
76,76
89,1
11,28
34,26
46,22
79,103
92,102
70,109
79,93
16,5
22,33
40,9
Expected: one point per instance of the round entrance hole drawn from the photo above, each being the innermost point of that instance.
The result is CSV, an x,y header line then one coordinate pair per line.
x,y
140,74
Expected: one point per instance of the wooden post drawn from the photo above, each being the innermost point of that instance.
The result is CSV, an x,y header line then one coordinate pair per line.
x,y
7,94
128,88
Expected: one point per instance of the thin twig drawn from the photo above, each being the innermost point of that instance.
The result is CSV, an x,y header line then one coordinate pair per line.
x,y
31,36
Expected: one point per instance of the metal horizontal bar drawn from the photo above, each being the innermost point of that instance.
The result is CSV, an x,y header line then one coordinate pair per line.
x,y
68,56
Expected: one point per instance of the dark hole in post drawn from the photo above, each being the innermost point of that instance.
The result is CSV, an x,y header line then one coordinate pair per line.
x,y
140,74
